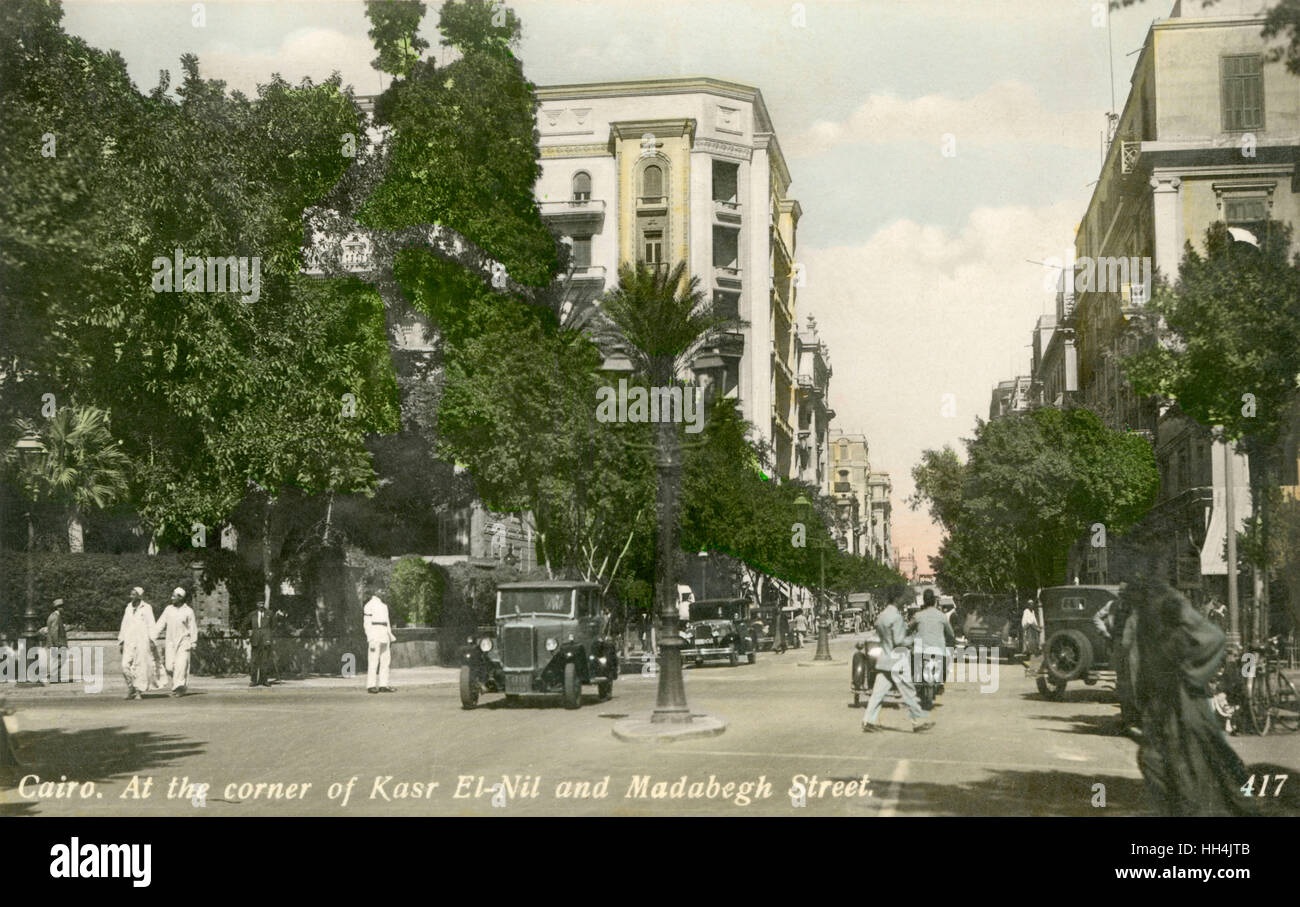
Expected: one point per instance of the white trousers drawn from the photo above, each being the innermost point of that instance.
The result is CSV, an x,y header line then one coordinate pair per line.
x,y
178,666
377,665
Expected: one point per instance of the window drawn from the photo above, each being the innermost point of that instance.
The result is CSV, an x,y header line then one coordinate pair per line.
x,y
1242,79
581,252
725,181
652,182
652,247
582,186
1249,213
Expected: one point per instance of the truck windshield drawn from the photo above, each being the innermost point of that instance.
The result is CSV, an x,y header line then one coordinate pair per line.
x,y
534,601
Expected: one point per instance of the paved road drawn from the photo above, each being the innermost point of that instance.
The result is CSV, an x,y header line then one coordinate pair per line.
x,y
1002,752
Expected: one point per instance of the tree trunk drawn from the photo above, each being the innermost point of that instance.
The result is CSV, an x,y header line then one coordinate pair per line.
x,y
76,532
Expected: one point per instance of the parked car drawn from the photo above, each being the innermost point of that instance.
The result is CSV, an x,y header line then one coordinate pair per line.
x,y
989,621
551,637
719,638
1073,647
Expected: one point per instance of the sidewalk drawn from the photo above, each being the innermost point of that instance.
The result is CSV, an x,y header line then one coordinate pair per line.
x,y
115,685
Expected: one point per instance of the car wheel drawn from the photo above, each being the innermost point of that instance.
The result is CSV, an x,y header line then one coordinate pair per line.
x,y
735,658
468,688
1069,655
925,694
572,687
1050,690
605,689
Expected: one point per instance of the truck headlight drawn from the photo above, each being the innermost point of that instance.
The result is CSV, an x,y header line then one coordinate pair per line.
x,y
485,644
552,644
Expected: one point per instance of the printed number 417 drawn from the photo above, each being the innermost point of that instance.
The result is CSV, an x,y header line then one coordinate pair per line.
x,y
1249,787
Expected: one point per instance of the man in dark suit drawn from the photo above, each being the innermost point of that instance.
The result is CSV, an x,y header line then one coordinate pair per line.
x,y
56,638
260,640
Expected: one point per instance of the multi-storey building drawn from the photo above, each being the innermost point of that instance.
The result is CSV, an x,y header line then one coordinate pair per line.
x,y
812,444
673,170
863,496
850,486
1015,396
880,487
1210,132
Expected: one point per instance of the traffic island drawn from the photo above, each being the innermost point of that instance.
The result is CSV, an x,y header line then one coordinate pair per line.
x,y
642,730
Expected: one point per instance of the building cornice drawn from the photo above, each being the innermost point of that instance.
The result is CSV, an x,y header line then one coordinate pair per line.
x,y
737,91
593,149
674,127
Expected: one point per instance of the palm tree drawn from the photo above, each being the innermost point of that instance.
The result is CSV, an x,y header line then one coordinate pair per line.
x,y
659,318
82,467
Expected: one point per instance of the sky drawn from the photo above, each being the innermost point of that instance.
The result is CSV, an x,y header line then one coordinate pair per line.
x,y
938,148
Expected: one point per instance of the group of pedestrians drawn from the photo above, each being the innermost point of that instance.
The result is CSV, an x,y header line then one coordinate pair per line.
x,y
158,652
141,639
931,634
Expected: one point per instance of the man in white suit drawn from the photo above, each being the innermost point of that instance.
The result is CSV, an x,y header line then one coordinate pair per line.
x,y
379,639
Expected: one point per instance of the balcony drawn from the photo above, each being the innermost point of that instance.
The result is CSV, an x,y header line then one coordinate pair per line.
x,y
578,215
592,274
727,278
651,203
726,212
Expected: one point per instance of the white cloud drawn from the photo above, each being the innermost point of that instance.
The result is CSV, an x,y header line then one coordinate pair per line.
x,y
917,312
1007,111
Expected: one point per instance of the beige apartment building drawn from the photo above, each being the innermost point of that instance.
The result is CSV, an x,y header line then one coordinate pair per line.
x,y
669,170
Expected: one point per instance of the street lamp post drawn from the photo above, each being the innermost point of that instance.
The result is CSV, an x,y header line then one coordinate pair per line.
x,y
823,629
30,449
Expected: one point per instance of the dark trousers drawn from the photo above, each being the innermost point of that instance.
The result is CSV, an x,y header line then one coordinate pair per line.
x,y
259,664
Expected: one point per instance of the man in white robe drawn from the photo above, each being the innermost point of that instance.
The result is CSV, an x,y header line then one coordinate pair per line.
x,y
135,641
180,629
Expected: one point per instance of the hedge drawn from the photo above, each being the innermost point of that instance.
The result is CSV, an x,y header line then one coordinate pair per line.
x,y
96,587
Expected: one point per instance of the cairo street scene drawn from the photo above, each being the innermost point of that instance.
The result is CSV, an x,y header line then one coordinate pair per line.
x,y
525,409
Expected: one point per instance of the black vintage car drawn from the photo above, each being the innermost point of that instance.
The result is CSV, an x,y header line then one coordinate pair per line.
x,y
551,637
1074,648
989,621
718,628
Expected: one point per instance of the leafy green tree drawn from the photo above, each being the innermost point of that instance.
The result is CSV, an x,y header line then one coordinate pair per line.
x,y
1227,350
82,468
415,590
1032,484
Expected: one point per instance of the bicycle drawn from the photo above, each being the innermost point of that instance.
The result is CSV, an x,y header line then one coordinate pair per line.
x,y
1270,697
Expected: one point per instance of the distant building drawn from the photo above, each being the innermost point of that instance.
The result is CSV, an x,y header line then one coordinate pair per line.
x,y
1015,396
850,487
814,415
880,489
